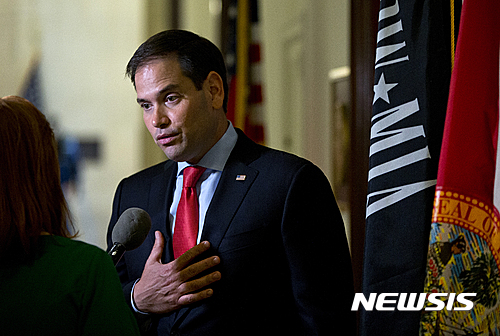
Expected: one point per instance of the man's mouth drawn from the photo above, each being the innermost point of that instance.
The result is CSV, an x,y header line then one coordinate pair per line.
x,y
166,138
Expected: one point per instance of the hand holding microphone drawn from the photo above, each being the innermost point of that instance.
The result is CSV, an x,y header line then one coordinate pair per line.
x,y
129,233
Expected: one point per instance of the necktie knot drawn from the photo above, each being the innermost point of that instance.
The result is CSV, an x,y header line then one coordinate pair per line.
x,y
191,175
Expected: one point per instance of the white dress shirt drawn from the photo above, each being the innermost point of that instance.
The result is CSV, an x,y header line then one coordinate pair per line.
x,y
214,160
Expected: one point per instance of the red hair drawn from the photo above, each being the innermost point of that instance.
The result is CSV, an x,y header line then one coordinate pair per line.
x,y
31,198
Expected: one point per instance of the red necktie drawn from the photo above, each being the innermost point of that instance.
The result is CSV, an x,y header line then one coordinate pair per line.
x,y
187,217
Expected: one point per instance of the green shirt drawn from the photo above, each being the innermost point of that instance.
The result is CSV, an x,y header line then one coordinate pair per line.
x,y
71,289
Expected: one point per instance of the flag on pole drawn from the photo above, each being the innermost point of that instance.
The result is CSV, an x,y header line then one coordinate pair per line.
x,y
413,62
464,246
243,58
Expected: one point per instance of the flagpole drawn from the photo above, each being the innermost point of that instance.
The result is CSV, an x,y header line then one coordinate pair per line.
x,y
242,35
453,37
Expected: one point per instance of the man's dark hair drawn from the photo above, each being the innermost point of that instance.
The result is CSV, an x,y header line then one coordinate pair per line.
x,y
196,55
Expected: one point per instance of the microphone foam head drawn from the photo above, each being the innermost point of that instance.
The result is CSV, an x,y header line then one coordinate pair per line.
x,y
131,228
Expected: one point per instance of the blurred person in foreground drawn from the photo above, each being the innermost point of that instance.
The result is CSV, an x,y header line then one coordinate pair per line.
x,y
266,252
49,284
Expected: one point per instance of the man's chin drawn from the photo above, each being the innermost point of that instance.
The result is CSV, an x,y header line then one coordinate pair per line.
x,y
174,156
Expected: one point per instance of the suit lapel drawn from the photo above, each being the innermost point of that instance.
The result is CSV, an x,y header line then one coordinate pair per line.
x,y
236,179
160,199
228,196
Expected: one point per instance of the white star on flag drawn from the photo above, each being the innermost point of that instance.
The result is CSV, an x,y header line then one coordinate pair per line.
x,y
381,89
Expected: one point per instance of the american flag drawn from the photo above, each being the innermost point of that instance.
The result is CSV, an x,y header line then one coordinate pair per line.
x,y
243,59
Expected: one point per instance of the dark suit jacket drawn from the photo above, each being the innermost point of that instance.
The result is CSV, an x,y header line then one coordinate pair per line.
x,y
285,262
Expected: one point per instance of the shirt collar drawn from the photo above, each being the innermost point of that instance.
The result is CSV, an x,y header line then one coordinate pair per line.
x,y
217,156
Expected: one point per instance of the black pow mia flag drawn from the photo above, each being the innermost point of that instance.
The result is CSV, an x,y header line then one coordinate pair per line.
x,y
413,63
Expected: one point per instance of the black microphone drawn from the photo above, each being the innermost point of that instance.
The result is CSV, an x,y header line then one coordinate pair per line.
x,y
129,232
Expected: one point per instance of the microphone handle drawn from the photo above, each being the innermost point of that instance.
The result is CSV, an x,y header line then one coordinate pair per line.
x,y
116,252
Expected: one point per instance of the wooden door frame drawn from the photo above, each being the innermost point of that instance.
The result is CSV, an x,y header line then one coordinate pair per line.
x,y
364,18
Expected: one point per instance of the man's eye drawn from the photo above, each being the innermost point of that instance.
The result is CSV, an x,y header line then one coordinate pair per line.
x,y
146,106
171,98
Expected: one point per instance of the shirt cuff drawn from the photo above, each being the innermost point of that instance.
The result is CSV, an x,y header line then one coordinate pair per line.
x,y
132,299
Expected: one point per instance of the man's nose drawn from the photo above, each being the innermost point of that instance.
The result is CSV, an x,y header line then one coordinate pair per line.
x,y
160,119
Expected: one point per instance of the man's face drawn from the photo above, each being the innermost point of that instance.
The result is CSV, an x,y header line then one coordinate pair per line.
x,y
181,119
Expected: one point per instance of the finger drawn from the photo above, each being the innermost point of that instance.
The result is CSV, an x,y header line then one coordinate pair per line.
x,y
157,250
192,253
194,297
197,284
197,268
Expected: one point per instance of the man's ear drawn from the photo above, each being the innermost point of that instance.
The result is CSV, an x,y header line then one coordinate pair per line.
x,y
216,89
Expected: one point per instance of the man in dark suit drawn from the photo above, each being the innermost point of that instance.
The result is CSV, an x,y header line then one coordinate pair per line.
x,y
270,254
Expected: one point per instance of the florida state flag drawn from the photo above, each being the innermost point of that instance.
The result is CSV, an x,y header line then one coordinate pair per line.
x,y
464,249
